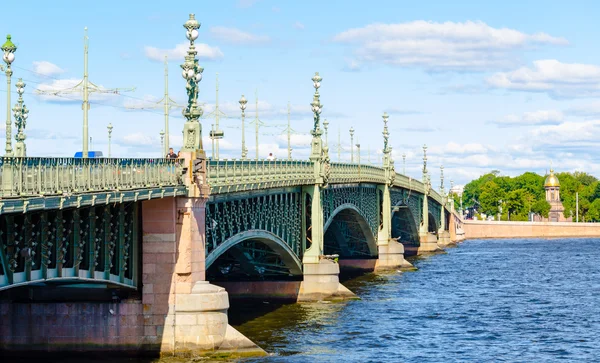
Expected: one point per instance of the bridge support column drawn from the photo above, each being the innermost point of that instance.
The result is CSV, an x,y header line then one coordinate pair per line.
x,y
321,275
427,240
183,313
444,239
391,252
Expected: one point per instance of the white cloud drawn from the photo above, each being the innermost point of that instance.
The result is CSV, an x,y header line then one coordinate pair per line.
x,y
297,141
47,69
468,46
266,110
298,25
205,52
63,90
559,80
237,37
352,65
535,118
137,139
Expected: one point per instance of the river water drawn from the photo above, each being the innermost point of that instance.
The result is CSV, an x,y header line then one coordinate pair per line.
x,y
515,300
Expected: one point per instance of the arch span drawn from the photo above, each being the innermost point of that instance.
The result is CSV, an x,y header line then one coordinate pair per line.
x,y
404,227
432,224
349,228
275,244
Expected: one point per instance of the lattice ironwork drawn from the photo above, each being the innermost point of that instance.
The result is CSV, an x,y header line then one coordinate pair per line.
x,y
95,243
410,199
362,197
248,260
277,213
345,237
435,209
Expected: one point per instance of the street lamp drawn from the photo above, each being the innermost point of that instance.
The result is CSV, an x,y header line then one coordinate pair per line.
x,y
317,149
352,144
358,153
110,128
21,113
442,180
325,125
8,57
243,103
162,137
424,163
192,73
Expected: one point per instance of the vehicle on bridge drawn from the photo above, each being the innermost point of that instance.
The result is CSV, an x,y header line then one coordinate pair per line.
x,y
91,154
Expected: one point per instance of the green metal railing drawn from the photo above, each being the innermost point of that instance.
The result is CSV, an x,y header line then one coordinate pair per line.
x,y
226,176
241,175
28,177
342,173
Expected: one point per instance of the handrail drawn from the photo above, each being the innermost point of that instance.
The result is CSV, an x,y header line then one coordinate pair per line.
x,y
33,176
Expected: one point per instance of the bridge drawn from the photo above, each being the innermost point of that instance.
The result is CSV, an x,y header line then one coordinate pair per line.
x,y
116,254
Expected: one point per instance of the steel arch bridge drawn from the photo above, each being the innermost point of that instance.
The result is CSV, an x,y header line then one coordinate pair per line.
x,y
259,216
72,220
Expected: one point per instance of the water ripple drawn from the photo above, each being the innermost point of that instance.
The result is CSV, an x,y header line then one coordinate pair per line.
x,y
520,300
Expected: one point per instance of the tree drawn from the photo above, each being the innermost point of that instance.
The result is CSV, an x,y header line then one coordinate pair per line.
x,y
584,178
541,207
489,198
593,214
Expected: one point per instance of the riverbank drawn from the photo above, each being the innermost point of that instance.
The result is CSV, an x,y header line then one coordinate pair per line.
x,y
503,229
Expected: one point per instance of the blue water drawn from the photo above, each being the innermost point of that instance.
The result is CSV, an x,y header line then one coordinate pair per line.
x,y
487,300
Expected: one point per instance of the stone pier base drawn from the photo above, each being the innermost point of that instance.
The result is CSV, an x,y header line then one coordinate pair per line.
x,y
428,244
201,324
196,325
321,281
444,239
391,256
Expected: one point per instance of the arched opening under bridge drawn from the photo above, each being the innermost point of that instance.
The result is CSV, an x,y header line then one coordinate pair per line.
x,y
348,235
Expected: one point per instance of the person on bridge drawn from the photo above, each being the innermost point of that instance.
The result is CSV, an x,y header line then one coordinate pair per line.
x,y
270,157
171,154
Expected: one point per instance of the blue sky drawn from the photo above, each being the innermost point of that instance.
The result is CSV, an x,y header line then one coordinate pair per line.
x,y
486,85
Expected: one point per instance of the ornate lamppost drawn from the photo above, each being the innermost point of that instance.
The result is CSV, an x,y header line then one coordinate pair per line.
x,y
352,144
192,73
425,177
110,128
243,103
162,137
325,126
8,57
317,107
21,113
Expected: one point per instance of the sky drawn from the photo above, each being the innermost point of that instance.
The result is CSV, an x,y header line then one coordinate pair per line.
x,y
495,85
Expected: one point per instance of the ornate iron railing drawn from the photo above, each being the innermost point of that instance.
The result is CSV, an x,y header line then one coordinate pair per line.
x,y
416,185
24,177
342,173
241,175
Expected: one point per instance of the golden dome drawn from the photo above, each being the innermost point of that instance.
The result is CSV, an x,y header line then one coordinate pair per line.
x,y
551,180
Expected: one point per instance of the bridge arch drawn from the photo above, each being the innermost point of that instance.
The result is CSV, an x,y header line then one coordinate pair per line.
x,y
432,223
404,226
348,227
276,247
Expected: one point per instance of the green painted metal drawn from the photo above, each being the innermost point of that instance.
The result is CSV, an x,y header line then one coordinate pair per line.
x,y
63,246
41,182
192,73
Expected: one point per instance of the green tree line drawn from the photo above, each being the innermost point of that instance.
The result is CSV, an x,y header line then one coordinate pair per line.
x,y
525,193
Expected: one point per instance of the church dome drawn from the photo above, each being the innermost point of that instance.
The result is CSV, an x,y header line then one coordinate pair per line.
x,y
551,180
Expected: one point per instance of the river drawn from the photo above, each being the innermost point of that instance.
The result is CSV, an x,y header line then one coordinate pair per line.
x,y
516,300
